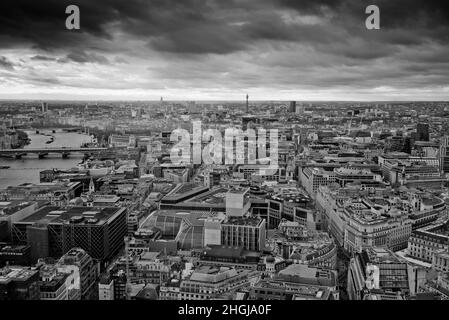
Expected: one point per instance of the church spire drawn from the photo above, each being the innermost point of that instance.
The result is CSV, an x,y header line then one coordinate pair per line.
x,y
91,186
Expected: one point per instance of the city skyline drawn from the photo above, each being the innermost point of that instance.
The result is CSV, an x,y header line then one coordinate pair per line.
x,y
212,158
210,50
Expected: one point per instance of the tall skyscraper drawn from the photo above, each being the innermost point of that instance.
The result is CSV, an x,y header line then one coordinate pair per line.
x,y
44,107
422,130
247,104
299,109
292,108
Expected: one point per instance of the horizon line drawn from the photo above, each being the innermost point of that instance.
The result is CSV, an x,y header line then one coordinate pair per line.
x,y
217,101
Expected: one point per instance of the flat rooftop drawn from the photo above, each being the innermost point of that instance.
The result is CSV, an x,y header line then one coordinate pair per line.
x,y
243,221
194,217
295,197
305,274
215,196
16,274
238,190
54,284
16,249
183,191
78,215
298,290
36,187
219,251
106,198
8,208
358,172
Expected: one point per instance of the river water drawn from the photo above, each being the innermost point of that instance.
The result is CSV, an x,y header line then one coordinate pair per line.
x,y
27,169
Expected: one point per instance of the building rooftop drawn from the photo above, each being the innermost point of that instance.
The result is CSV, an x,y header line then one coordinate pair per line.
x,y
8,274
216,196
73,256
7,249
294,197
381,255
8,208
41,187
243,221
308,275
298,291
150,255
54,284
211,274
347,171
228,252
106,198
77,215
238,190
171,216
184,191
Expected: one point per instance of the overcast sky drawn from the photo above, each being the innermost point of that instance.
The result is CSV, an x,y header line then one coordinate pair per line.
x,y
223,49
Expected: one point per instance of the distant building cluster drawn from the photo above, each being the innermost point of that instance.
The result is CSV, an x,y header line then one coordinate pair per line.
x,y
356,208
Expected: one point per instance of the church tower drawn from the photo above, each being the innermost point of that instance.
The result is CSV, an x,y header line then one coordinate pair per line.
x,y
91,186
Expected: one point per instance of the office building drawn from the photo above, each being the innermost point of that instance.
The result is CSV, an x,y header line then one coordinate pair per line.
x,y
208,282
245,232
427,241
292,107
422,132
291,206
237,202
298,282
58,193
15,255
53,285
80,262
12,211
52,231
106,288
377,273
444,154
19,283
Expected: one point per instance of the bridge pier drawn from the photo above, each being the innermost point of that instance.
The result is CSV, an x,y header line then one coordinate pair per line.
x,y
19,155
65,155
42,155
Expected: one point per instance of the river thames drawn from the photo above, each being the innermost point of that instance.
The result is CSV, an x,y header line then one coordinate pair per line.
x,y
27,169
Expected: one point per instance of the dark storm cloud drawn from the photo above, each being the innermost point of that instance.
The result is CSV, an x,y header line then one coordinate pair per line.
x,y
201,26
42,58
81,56
42,23
6,64
397,13
280,42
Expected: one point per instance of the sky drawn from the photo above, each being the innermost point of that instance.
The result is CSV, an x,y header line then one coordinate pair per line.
x,y
224,49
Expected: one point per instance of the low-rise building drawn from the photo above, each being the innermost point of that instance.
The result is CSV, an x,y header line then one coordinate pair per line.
x,y
298,282
427,241
377,273
19,283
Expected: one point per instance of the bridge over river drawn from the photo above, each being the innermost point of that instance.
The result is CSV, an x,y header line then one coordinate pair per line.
x,y
42,152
